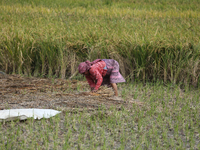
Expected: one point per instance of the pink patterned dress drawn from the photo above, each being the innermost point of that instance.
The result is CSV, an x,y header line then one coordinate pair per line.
x,y
113,75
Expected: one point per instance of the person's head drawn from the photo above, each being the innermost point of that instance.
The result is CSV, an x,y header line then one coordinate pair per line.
x,y
86,73
84,67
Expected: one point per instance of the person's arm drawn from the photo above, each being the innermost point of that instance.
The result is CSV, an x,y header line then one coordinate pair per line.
x,y
97,76
99,79
90,82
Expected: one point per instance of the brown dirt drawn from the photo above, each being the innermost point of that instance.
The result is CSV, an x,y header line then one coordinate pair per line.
x,y
30,92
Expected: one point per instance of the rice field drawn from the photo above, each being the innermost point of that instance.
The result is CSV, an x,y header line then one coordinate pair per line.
x,y
156,43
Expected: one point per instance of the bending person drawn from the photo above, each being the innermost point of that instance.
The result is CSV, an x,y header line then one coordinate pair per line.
x,y
101,72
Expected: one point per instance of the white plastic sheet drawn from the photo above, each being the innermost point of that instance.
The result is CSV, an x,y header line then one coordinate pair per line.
x,y
22,114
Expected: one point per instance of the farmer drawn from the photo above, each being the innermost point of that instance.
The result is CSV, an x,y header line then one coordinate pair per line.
x,y
101,72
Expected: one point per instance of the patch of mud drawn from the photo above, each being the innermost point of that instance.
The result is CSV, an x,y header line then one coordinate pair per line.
x,y
29,92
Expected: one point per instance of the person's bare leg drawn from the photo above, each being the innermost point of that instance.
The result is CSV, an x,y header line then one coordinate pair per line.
x,y
114,86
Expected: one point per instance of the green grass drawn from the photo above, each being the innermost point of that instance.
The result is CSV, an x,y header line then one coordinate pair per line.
x,y
151,39
169,119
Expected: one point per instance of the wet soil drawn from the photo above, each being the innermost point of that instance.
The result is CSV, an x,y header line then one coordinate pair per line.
x,y
29,92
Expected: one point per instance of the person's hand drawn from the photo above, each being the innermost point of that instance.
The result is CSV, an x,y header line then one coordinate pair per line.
x,y
94,91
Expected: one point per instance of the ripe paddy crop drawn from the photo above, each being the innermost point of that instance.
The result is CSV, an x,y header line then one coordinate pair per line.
x,y
150,39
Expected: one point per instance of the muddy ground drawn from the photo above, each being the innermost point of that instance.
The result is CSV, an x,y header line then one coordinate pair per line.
x,y
29,92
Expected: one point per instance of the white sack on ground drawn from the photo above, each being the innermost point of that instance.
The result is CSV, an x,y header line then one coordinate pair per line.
x,y
12,114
